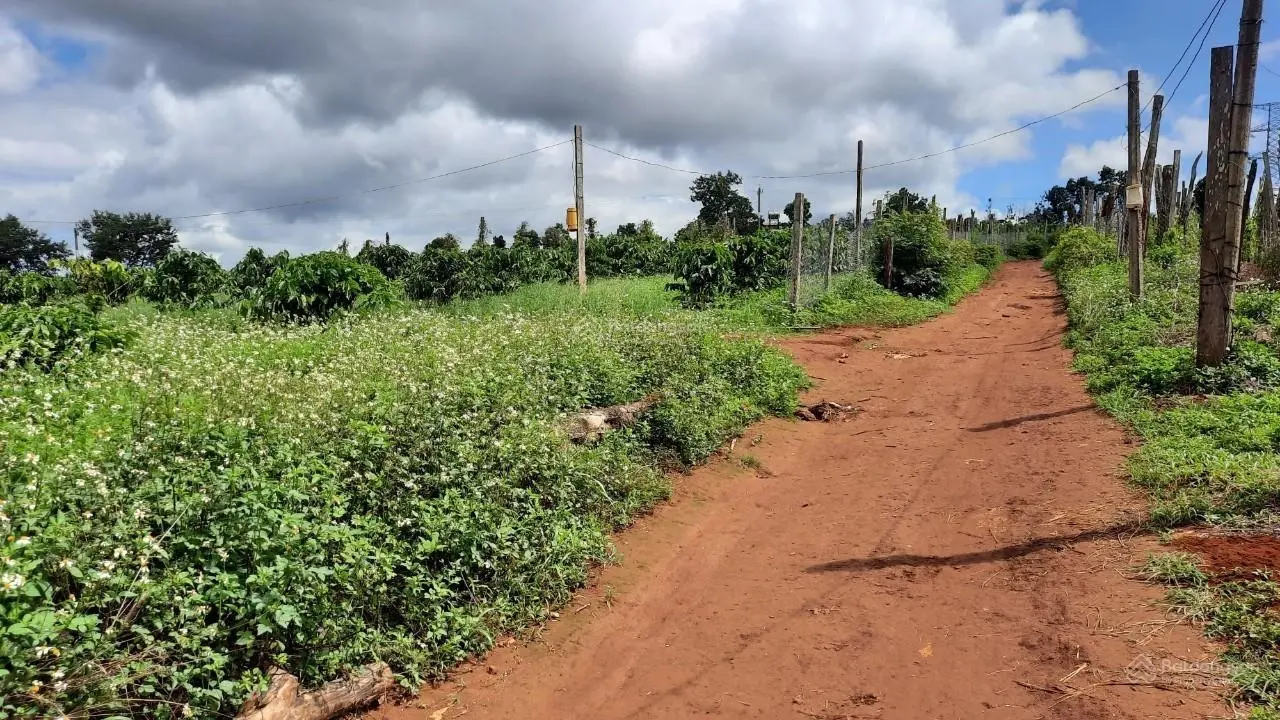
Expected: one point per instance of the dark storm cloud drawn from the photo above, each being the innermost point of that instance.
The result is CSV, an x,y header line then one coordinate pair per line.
x,y
555,62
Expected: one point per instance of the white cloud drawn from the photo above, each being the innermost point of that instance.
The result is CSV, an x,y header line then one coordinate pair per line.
x,y
19,61
184,122
1187,133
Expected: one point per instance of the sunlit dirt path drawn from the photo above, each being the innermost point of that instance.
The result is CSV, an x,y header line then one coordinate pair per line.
x,y
959,549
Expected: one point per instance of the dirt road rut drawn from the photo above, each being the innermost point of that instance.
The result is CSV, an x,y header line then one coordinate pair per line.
x,y
959,549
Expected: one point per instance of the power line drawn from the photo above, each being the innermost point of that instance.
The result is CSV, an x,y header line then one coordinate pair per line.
x,y
331,198
1211,14
1211,20
926,156
1216,12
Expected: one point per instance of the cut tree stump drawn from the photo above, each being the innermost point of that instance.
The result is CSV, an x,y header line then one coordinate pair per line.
x,y
283,701
591,425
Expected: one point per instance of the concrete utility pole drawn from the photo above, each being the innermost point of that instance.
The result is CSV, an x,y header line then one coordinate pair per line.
x,y
1133,205
1230,117
580,204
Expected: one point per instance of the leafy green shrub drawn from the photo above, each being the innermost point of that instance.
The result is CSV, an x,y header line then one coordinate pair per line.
x,y
706,267
437,274
924,258
759,259
43,335
630,252
108,279
391,260
187,279
33,288
1077,248
314,287
255,269
1032,247
988,256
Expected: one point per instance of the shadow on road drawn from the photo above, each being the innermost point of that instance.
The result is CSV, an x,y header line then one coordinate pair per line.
x,y
1008,552
1013,422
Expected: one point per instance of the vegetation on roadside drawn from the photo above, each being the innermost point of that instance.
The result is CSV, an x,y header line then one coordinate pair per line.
x,y
1212,436
312,462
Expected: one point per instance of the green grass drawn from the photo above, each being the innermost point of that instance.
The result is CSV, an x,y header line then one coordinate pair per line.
x,y
1175,568
619,297
1211,436
854,299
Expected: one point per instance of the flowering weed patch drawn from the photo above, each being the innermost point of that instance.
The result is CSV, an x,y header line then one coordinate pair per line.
x,y
218,498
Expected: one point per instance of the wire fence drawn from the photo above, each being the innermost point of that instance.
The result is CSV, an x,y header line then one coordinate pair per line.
x,y
833,247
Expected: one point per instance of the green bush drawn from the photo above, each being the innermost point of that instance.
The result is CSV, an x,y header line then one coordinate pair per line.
x,y
391,260
1032,247
33,288
706,267
314,287
43,335
1078,248
988,256
759,260
188,279
924,258
255,269
107,279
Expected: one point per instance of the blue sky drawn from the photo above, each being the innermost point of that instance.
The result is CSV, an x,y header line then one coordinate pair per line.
x,y
1165,27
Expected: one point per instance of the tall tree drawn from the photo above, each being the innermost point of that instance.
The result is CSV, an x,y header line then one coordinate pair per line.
x,y
721,201
482,234
526,236
499,242
790,208
592,229
447,241
24,249
135,239
906,201
557,236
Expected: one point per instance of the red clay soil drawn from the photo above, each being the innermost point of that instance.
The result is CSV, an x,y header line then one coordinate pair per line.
x,y
1233,556
959,549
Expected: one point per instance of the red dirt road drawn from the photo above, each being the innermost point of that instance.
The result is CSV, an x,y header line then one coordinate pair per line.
x,y
959,549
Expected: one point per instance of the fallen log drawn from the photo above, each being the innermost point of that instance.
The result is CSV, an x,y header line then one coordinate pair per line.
x,y
592,424
283,701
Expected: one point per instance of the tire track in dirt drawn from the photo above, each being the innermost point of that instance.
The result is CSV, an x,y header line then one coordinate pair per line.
x,y
955,550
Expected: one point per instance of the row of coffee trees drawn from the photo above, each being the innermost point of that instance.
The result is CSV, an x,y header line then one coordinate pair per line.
x,y
725,251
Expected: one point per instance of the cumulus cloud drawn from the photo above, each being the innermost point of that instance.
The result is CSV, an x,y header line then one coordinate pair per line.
x,y
1187,133
291,100
19,61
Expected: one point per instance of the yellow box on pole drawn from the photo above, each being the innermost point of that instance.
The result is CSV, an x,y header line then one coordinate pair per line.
x,y
571,219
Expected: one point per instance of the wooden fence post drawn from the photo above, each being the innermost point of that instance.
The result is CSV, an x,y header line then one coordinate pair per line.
x,y
831,251
1230,117
1133,215
1150,169
580,204
797,242
1248,201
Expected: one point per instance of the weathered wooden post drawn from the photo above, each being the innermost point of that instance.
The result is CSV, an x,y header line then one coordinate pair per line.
x,y
1230,115
797,242
1133,199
